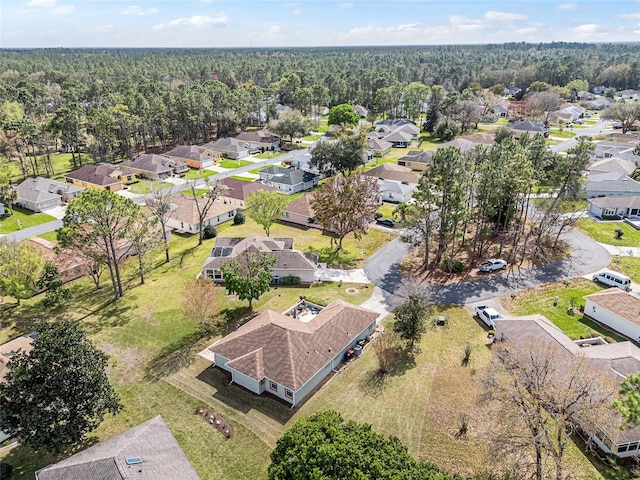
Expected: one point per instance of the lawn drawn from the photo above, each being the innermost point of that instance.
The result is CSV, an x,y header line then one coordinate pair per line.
x,y
256,171
561,132
630,266
194,174
142,186
51,236
244,179
604,232
564,205
22,219
268,155
61,163
570,293
386,209
312,138
227,163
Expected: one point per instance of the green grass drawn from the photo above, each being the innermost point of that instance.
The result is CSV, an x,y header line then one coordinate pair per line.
x,y
256,171
227,163
386,209
194,174
245,179
564,205
604,232
312,138
561,133
630,266
51,236
268,155
61,163
22,218
541,300
142,186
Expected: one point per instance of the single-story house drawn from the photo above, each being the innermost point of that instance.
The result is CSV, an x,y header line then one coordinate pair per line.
x,y
300,212
616,360
288,355
146,452
405,126
390,171
236,191
101,175
288,180
379,147
69,265
612,149
599,89
622,207
398,139
508,91
628,94
617,310
37,194
575,111
184,214
155,167
416,159
302,161
527,126
611,185
501,110
395,192
584,95
230,148
599,103
289,262
462,144
260,139
613,164
361,111
485,138
194,156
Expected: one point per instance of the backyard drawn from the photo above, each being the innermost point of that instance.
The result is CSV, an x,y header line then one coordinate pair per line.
x,y
605,232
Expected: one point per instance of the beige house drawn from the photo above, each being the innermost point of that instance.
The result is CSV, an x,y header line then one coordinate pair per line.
x,y
300,212
184,216
237,191
396,173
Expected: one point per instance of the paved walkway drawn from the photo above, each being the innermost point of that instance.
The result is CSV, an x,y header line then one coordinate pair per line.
x,y
337,275
615,250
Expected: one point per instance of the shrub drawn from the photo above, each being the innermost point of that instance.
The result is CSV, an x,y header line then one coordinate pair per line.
x,y
317,301
239,219
6,471
377,215
290,280
609,340
453,265
209,232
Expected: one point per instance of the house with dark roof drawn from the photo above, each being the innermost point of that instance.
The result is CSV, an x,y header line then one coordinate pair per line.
x,y
396,173
379,147
230,148
155,167
527,126
289,354
416,159
288,180
300,212
236,191
615,360
621,207
38,194
398,139
146,452
184,213
611,185
260,139
288,262
101,176
194,156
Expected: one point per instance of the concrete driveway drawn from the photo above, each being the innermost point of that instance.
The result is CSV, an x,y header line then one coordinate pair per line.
x,y
57,212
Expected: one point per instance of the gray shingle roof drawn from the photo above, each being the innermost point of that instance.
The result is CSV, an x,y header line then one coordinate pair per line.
x,y
41,189
227,145
152,441
288,176
153,163
192,152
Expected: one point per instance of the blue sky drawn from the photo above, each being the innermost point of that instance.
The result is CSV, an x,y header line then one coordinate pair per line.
x,y
239,23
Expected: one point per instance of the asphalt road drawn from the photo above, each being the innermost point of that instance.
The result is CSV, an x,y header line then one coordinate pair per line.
x,y
588,257
33,231
589,130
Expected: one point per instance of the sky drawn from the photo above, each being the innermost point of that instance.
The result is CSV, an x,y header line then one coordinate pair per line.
x,y
304,23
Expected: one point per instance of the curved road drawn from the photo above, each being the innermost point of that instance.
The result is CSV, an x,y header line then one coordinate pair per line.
x,y
588,257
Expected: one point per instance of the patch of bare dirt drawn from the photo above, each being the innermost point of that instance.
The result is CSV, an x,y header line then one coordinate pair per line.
x,y
216,421
123,360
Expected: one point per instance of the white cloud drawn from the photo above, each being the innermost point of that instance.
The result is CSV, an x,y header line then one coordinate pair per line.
x,y
568,6
62,10
99,29
42,3
297,11
629,16
494,16
588,28
346,5
139,11
197,21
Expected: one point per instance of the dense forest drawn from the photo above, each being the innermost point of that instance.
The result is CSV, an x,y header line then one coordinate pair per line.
x,y
113,103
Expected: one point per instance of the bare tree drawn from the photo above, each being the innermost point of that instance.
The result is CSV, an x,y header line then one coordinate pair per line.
x,y
158,201
541,104
212,189
387,348
199,302
544,395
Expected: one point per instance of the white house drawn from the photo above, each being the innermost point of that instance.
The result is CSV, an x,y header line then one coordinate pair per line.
x,y
184,214
396,192
289,354
300,212
611,165
230,148
615,309
621,207
288,180
288,262
37,194
611,185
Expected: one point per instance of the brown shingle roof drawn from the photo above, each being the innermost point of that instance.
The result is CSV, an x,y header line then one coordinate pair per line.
x,y
624,304
391,171
186,210
241,189
301,206
102,175
292,351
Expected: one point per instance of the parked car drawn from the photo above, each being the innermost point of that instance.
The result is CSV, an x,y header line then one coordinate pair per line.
x,y
386,222
487,315
616,125
613,279
492,265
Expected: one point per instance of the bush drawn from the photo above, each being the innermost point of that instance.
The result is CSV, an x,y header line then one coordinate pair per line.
x,y
609,340
6,471
315,300
209,232
377,215
290,280
595,335
239,219
453,265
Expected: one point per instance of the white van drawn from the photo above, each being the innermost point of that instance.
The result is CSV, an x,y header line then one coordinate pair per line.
x,y
613,279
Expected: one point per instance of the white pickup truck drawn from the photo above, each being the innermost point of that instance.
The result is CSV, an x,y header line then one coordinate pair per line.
x,y
487,315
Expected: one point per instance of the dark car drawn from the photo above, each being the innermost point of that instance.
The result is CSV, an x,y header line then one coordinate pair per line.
x,y
386,222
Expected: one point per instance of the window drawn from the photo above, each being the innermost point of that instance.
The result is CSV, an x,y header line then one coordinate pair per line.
x,y
288,393
273,386
633,446
217,275
623,448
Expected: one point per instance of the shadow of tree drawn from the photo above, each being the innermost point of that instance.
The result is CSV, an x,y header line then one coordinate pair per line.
x,y
402,361
334,258
175,356
231,319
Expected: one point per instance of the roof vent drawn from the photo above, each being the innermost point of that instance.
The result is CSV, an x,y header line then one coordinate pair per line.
x,y
133,460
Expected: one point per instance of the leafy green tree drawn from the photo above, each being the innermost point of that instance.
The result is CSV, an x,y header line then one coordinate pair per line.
x,y
343,114
578,85
248,275
324,446
265,207
627,113
340,156
411,319
51,282
57,393
204,203
290,124
20,266
346,204
628,403
102,219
